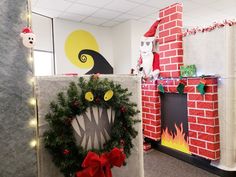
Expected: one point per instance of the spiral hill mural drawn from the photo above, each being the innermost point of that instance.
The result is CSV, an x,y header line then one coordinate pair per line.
x,y
82,50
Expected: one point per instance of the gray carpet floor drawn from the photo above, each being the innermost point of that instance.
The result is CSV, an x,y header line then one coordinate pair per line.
x,y
157,164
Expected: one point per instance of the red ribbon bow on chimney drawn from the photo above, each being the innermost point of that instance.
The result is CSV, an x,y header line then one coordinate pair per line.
x,y
100,166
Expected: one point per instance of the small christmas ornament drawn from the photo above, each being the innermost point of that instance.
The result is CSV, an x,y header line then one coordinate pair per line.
x,y
108,95
28,37
66,152
75,104
161,88
123,109
96,76
97,100
201,86
122,142
89,96
68,121
180,87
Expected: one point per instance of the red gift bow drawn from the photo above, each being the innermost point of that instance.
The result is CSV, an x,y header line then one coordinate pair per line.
x,y
100,166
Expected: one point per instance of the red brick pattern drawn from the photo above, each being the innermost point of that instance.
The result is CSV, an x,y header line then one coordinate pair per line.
x,y
203,121
203,114
151,111
170,40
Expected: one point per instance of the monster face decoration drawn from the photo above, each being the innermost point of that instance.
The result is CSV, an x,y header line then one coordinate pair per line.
x,y
94,117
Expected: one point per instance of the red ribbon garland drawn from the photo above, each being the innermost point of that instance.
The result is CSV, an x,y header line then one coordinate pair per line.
x,y
209,28
100,166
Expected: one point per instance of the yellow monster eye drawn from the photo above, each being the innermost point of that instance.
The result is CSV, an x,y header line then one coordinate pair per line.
x,y
108,95
89,96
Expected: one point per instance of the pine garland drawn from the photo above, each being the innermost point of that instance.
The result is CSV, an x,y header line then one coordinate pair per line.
x,y
59,139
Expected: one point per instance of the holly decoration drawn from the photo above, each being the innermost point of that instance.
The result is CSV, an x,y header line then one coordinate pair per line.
x,y
181,86
66,152
161,88
201,86
75,103
122,109
59,140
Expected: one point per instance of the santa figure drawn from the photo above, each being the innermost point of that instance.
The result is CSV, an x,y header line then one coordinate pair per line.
x,y
148,64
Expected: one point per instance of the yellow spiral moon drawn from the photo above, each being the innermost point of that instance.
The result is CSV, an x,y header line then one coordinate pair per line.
x,y
79,40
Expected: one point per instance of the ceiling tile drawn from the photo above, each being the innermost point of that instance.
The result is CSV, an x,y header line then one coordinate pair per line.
x,y
153,16
142,11
60,5
107,14
81,9
47,12
72,16
110,23
203,12
204,2
137,1
160,4
125,17
94,21
196,12
121,5
146,20
201,22
97,3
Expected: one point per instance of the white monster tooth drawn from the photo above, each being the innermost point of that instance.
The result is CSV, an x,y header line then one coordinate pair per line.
x,y
113,116
96,114
109,115
96,143
83,144
76,127
106,134
80,121
100,111
89,146
88,113
102,139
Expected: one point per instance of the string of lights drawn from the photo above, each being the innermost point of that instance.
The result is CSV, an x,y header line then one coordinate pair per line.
x,y
32,101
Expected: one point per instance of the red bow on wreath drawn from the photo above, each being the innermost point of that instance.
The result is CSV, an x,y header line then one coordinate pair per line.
x,y
100,166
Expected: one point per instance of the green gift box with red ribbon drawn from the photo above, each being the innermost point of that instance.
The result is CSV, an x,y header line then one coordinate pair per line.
x,y
188,71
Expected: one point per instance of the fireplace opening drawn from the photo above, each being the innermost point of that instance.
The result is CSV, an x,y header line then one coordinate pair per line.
x,y
174,121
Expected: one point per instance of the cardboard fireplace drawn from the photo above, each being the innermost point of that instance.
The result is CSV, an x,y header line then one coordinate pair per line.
x,y
189,121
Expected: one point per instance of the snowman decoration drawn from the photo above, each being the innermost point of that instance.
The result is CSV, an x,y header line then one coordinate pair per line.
x,y
148,63
28,37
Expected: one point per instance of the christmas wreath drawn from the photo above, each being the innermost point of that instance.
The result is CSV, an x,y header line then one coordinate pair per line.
x,y
73,159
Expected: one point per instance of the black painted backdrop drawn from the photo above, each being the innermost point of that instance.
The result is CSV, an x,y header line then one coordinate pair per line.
x,y
174,111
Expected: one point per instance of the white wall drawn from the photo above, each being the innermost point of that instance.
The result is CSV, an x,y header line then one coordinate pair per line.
x,y
126,42
138,29
119,44
121,40
62,28
213,53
